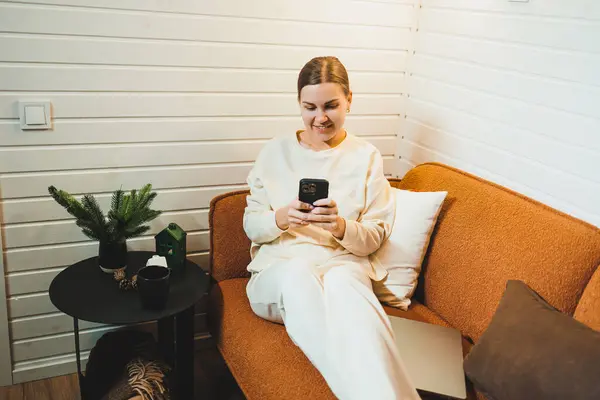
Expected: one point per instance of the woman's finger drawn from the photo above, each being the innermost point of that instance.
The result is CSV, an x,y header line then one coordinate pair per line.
x,y
297,222
321,217
324,210
325,203
298,205
298,215
328,226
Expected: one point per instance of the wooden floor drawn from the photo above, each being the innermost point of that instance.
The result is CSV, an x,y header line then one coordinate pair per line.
x,y
213,381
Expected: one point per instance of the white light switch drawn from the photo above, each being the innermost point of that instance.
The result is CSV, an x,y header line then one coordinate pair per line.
x,y
35,115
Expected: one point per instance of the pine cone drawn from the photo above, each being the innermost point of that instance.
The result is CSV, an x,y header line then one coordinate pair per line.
x,y
125,284
119,275
134,281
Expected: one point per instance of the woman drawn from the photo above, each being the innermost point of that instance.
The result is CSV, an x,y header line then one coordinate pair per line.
x,y
310,267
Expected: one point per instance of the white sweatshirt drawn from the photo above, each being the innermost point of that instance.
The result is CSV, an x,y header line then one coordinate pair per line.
x,y
354,170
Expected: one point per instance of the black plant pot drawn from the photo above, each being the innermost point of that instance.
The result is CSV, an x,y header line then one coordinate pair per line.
x,y
112,256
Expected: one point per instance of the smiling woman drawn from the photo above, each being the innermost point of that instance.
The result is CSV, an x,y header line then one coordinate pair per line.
x,y
310,267
325,98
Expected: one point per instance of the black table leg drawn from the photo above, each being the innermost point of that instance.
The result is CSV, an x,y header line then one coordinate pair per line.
x,y
184,361
166,338
78,357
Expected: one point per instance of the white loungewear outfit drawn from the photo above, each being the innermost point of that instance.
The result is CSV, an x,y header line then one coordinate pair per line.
x,y
317,285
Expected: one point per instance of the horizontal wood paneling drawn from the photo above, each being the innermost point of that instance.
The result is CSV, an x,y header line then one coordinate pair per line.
x,y
46,209
63,343
65,364
35,304
508,91
581,162
143,130
49,324
584,9
505,163
119,51
19,18
24,77
561,95
23,283
106,105
404,166
31,159
420,154
336,11
48,367
56,344
542,120
556,33
67,254
45,233
103,181
537,61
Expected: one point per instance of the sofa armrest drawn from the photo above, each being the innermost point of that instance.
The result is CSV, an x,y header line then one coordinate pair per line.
x,y
229,245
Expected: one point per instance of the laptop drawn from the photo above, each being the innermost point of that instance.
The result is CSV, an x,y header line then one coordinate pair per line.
x,y
432,355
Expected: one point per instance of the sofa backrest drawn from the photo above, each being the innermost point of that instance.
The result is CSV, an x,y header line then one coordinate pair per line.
x,y
486,235
229,245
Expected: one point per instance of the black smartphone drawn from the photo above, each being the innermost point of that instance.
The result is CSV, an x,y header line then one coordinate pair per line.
x,y
312,190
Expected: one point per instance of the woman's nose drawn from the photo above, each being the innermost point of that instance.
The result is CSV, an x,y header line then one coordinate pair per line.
x,y
322,116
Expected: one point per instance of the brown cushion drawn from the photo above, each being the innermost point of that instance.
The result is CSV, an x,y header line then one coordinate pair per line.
x,y
486,235
261,356
588,309
532,349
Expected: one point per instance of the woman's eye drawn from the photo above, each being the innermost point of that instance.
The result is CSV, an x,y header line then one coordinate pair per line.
x,y
310,108
332,106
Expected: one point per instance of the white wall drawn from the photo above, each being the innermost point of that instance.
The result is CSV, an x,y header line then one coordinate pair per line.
x,y
179,94
511,92
5,355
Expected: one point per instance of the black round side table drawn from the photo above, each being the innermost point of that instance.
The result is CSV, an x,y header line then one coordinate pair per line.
x,y
83,291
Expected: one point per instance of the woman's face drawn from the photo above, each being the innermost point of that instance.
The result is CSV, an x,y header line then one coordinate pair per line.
x,y
324,110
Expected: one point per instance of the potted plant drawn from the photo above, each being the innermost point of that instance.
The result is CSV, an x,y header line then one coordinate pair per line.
x,y
126,219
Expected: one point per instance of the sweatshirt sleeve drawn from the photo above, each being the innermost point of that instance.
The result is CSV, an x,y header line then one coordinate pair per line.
x,y
259,217
365,235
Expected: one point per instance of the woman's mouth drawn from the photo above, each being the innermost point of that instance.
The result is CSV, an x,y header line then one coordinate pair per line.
x,y
322,128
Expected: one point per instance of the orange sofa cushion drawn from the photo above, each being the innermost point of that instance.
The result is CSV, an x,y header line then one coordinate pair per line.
x,y
229,245
261,356
486,235
588,309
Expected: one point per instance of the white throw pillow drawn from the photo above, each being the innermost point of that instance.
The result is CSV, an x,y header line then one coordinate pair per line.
x,y
402,253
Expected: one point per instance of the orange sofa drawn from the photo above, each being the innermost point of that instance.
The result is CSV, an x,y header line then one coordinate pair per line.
x,y
485,235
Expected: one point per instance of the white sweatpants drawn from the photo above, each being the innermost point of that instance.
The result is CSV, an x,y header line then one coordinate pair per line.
x,y
335,318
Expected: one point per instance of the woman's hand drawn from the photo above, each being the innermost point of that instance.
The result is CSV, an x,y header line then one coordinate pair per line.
x,y
293,215
325,215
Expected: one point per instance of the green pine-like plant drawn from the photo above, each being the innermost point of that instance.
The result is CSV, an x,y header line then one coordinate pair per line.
x,y
126,218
